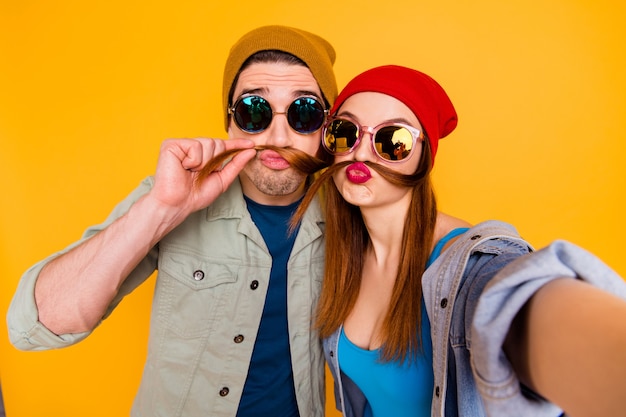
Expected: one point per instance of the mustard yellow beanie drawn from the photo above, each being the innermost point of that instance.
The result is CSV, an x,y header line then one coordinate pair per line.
x,y
317,53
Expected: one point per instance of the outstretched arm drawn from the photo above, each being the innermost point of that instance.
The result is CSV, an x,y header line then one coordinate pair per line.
x,y
74,290
568,344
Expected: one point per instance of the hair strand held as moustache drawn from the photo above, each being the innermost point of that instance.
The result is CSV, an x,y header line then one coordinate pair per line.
x,y
298,159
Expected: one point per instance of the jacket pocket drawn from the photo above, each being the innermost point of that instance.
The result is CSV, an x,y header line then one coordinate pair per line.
x,y
191,290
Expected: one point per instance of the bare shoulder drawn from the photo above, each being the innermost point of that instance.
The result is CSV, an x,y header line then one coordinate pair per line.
x,y
445,224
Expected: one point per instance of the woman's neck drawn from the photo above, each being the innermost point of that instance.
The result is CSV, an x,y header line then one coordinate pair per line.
x,y
385,226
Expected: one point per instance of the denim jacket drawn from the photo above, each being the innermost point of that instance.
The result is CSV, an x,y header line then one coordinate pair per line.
x,y
472,293
213,273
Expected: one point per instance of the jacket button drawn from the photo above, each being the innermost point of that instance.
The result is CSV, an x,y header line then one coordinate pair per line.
x,y
437,391
254,285
444,303
475,237
238,338
224,392
198,275
332,354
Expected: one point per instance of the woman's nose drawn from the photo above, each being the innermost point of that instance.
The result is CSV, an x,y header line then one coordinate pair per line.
x,y
363,151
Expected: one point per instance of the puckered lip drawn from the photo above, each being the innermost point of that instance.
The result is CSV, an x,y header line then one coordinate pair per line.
x,y
273,160
358,173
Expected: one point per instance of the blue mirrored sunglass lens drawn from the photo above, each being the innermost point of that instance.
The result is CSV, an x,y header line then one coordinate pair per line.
x,y
305,115
253,114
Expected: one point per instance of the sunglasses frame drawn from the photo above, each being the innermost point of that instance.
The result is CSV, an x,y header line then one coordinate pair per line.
x,y
416,134
231,112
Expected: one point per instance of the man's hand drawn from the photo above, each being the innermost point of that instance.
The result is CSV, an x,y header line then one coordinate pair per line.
x,y
74,290
180,160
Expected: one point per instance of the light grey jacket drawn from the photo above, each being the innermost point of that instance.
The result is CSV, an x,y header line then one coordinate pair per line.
x,y
213,273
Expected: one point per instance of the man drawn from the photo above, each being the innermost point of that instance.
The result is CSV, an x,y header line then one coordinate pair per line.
x,y
231,324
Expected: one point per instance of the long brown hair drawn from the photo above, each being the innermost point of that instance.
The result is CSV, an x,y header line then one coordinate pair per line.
x,y
347,239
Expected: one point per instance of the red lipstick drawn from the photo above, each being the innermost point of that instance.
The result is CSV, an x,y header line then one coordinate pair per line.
x,y
358,173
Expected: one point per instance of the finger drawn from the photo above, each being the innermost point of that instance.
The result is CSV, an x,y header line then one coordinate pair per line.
x,y
213,147
237,144
230,171
194,153
217,146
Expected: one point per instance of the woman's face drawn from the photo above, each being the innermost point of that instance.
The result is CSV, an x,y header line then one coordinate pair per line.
x,y
358,184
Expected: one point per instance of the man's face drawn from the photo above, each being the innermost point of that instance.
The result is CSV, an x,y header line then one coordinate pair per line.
x,y
268,178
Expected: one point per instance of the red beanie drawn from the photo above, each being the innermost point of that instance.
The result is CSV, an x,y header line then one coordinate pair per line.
x,y
419,92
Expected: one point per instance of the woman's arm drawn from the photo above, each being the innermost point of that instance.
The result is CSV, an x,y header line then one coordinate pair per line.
x,y
568,344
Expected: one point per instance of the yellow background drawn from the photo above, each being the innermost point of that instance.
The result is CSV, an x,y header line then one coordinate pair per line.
x,y
89,89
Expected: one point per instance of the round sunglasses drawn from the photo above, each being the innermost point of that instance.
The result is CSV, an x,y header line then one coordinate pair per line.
x,y
391,142
254,114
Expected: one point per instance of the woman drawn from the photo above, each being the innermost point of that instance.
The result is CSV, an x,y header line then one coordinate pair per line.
x,y
422,312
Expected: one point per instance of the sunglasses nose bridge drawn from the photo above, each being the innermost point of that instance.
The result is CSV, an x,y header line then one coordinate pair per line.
x,y
362,150
274,120
369,130
279,131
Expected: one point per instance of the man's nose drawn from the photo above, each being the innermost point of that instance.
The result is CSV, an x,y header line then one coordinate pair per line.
x,y
279,132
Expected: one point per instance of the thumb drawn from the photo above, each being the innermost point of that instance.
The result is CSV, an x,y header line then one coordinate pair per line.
x,y
229,172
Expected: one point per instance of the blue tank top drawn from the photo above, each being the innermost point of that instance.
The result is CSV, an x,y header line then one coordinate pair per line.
x,y
393,388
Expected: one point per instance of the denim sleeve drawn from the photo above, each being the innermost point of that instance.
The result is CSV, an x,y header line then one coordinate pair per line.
x,y
466,392
484,263
501,300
